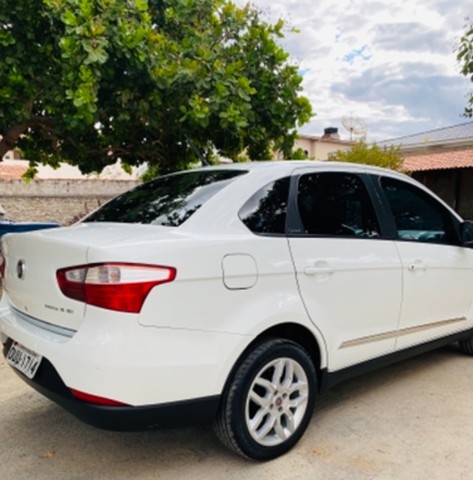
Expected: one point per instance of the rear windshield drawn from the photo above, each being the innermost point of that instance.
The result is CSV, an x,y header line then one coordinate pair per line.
x,y
168,200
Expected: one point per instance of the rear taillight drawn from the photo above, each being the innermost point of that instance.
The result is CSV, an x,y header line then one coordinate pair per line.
x,y
89,398
115,286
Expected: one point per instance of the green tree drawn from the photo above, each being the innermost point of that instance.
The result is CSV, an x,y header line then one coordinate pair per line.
x,y
387,157
465,58
161,81
299,154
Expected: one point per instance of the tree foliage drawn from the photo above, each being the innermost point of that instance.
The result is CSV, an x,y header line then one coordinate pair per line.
x,y
361,152
161,81
465,57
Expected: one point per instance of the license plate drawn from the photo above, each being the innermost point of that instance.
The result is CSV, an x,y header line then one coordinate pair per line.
x,y
23,359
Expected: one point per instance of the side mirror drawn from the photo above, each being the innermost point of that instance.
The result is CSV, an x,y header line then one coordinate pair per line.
x,y
466,234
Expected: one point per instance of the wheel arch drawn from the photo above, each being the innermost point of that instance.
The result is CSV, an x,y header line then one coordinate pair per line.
x,y
294,332
298,334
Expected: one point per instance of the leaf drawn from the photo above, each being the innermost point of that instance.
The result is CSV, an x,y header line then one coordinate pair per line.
x,y
157,76
465,59
69,18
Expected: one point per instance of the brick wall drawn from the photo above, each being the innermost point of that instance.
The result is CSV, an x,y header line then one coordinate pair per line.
x,y
62,201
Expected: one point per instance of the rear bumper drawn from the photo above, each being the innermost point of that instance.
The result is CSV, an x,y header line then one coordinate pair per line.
x,y
118,359
120,418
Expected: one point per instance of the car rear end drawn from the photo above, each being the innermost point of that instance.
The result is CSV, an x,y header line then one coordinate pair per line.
x,y
71,322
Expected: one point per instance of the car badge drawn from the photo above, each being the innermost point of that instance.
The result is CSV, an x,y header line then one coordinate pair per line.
x,y
21,269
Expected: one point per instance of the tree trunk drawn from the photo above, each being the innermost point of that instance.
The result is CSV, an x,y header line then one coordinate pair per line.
x,y
3,149
10,138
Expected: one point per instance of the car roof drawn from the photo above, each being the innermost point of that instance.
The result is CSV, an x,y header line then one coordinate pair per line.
x,y
226,202
289,166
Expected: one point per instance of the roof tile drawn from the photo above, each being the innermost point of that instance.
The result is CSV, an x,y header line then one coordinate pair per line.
x,y
11,172
439,161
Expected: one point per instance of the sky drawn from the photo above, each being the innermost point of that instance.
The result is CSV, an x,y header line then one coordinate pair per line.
x,y
386,66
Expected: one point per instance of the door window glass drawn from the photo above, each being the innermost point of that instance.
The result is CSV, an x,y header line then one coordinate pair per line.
x,y
336,204
417,215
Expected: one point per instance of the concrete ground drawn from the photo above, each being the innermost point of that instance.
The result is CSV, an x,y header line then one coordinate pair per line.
x,y
411,421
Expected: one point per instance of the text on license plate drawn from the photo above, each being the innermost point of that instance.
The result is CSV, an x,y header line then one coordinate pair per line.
x,y
23,359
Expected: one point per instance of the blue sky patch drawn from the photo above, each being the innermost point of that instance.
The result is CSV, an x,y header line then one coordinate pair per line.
x,y
304,71
360,53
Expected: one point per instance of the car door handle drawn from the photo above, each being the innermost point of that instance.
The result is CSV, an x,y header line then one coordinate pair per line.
x,y
315,270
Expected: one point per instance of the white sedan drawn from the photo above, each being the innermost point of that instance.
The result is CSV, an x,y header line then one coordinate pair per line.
x,y
235,295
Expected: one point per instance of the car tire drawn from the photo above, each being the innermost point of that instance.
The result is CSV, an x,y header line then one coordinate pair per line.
x,y
269,400
466,346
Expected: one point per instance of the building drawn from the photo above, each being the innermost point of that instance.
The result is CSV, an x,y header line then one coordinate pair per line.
x,y
319,147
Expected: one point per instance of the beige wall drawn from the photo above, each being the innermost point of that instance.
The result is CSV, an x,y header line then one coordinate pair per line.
x,y
62,201
319,148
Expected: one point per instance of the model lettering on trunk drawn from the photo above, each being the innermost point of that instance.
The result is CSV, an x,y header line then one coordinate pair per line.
x,y
58,309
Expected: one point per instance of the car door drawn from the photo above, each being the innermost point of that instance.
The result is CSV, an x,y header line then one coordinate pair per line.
x,y
349,277
437,271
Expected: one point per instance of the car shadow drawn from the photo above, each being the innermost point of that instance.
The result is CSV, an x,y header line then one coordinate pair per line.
x,y
397,373
42,440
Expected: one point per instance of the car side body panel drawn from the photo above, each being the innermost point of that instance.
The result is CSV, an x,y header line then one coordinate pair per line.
x,y
340,283
437,291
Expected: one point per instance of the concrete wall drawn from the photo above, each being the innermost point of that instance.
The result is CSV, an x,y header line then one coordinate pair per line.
x,y
62,201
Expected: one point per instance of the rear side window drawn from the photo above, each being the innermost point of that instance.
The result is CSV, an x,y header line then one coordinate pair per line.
x,y
336,204
417,215
265,211
169,200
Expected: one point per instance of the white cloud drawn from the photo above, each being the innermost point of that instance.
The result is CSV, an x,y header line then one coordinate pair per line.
x,y
391,63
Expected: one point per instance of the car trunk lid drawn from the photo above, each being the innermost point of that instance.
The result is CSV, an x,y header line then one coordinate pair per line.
x,y
33,258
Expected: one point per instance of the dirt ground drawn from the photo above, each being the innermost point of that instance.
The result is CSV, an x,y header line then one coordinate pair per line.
x,y
411,421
